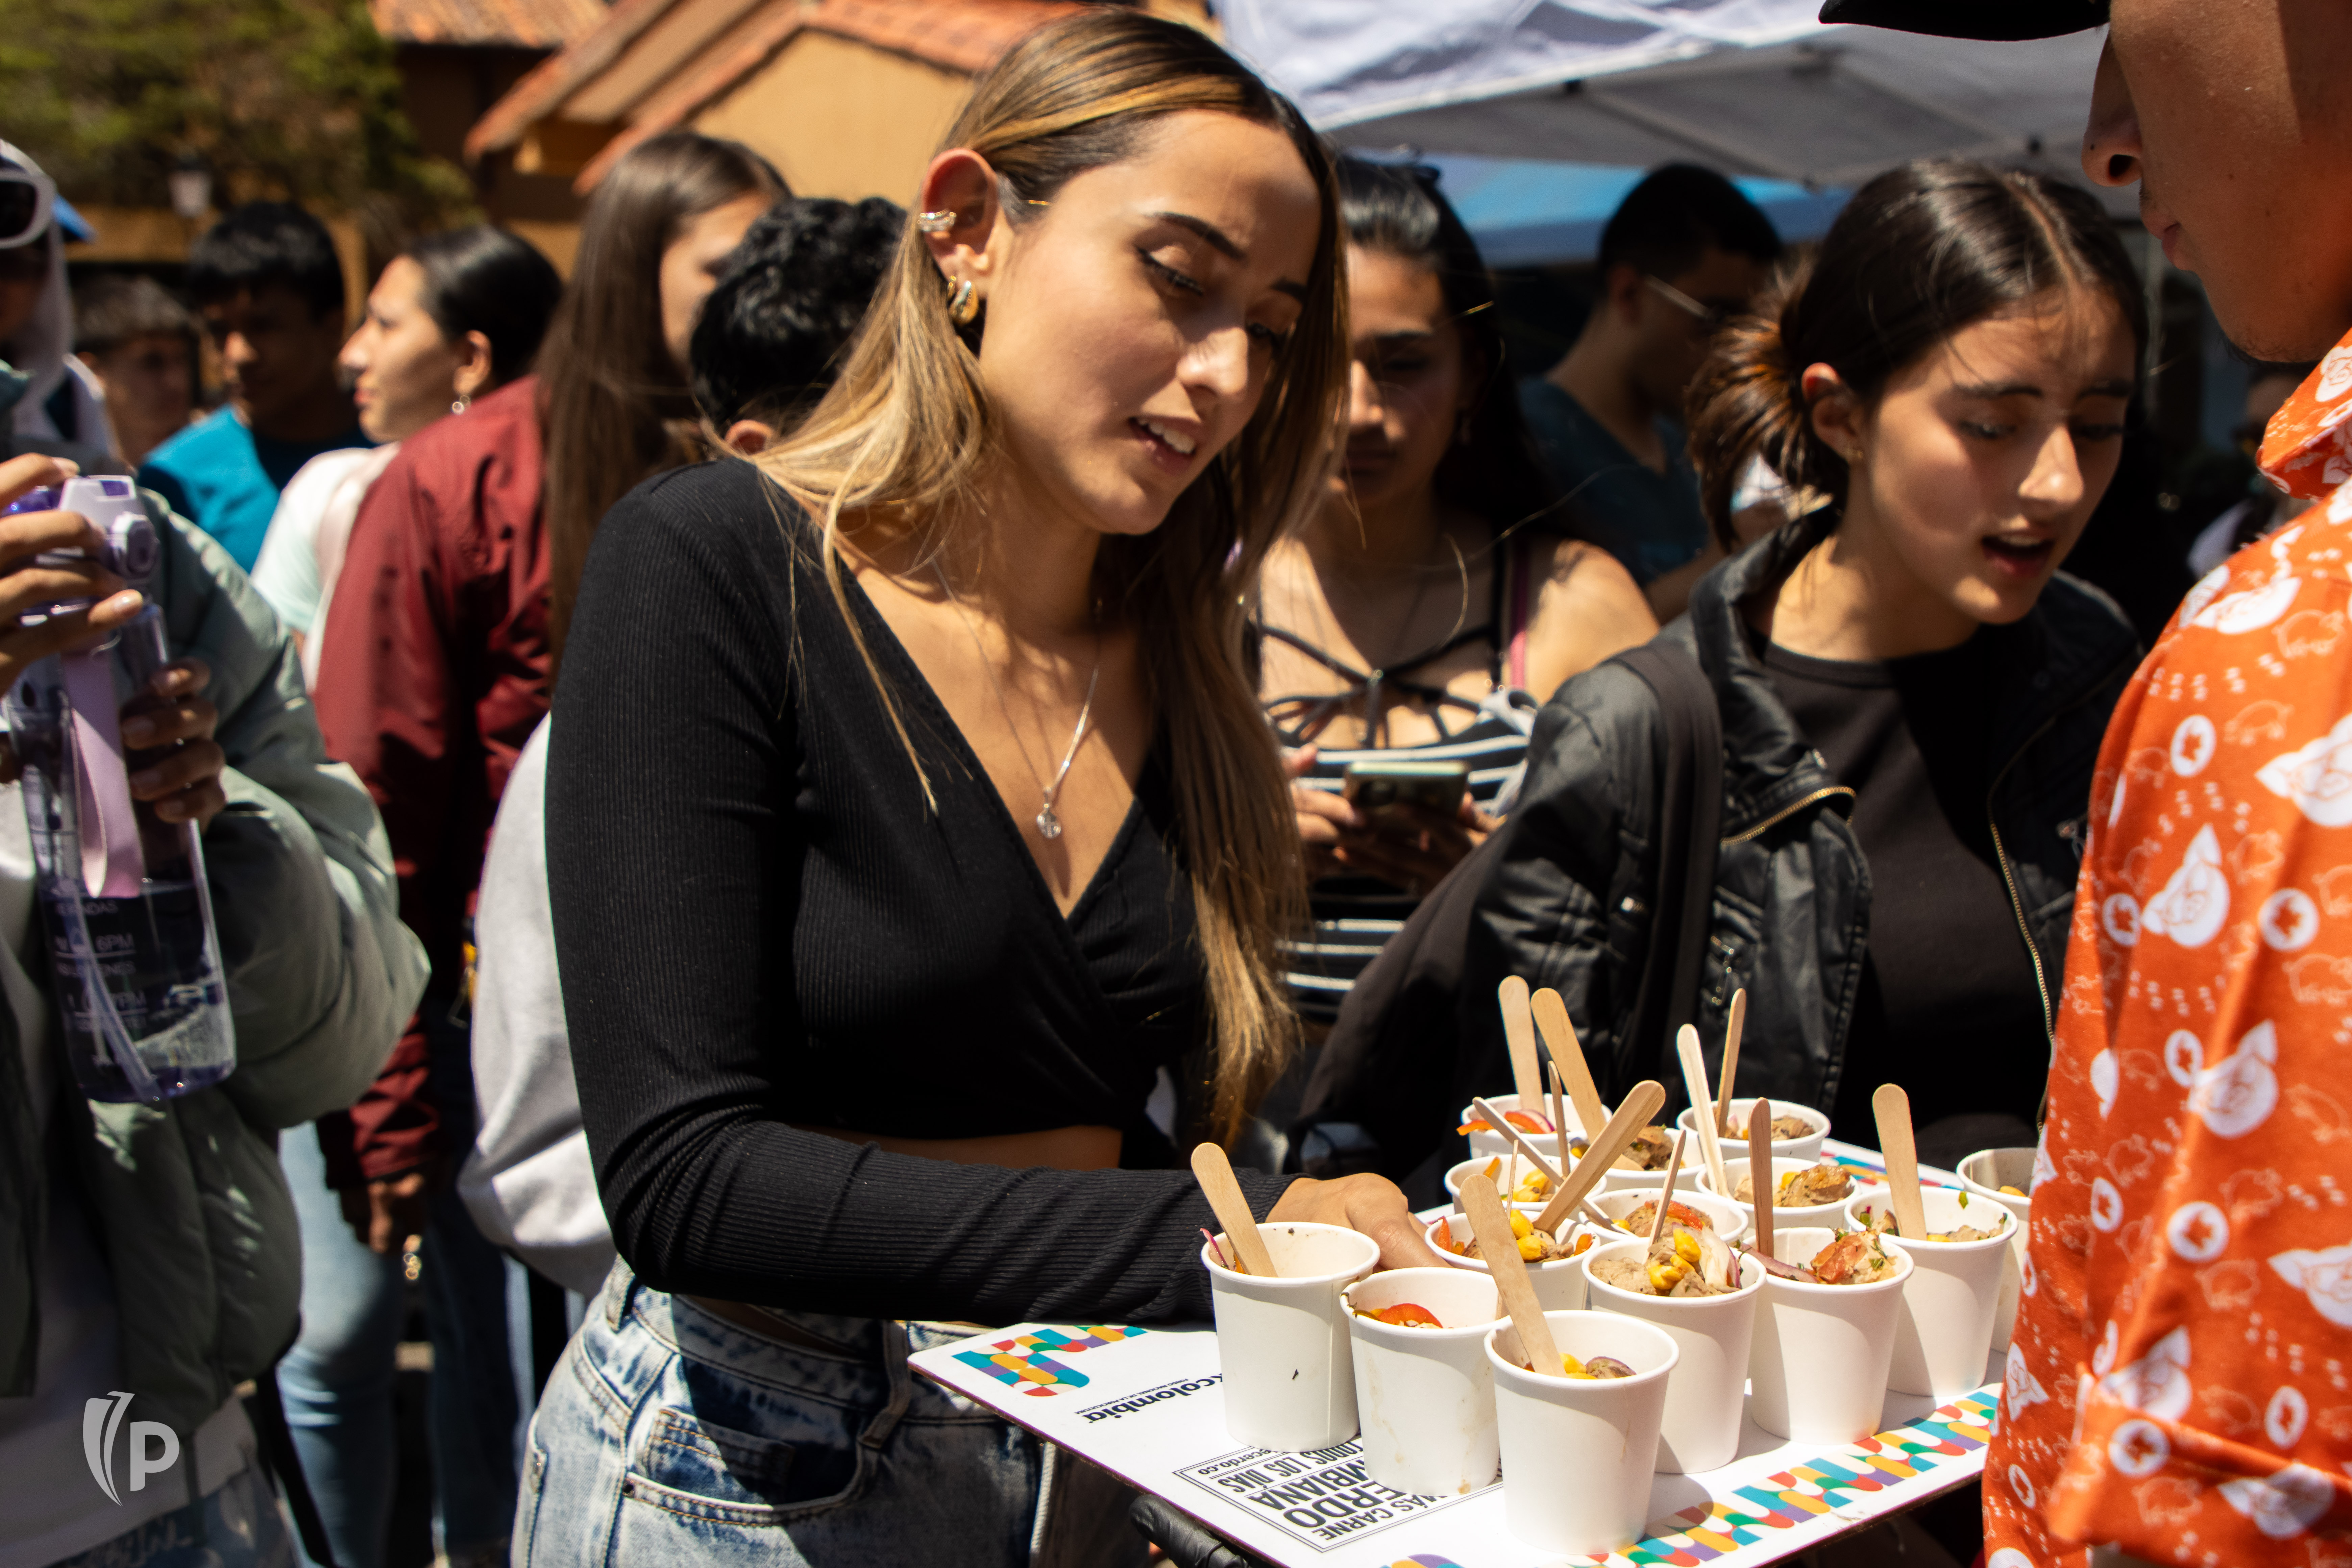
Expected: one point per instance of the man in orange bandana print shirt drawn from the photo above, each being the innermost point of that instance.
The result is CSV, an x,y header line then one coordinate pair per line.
x,y
2179,1389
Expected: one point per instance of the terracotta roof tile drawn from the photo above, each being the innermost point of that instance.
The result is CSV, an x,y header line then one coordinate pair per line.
x,y
959,34
532,23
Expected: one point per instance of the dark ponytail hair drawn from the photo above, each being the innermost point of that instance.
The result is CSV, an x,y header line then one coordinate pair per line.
x,y
483,279
1494,473
1926,249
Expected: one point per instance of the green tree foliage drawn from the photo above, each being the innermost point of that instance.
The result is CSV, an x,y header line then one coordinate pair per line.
x,y
287,99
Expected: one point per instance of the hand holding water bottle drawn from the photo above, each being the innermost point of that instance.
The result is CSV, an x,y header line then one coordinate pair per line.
x,y
111,745
171,725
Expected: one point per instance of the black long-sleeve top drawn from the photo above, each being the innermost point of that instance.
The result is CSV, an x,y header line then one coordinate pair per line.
x,y
760,923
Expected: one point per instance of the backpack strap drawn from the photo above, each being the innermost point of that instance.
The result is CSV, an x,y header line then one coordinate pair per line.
x,y
1689,826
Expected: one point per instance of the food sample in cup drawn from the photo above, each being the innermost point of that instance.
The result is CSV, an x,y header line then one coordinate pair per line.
x,y
1590,1369
1535,1246
1535,1187
1404,1315
1685,1263
1812,1187
2008,1191
1525,1120
1789,1128
1678,1214
1649,1150
1883,1222
1855,1257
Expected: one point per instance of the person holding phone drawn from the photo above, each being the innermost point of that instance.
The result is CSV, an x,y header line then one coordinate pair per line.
x,y
1437,586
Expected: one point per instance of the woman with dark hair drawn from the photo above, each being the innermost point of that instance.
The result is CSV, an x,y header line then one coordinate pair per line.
x,y
616,393
1436,588
1912,697
454,317
434,665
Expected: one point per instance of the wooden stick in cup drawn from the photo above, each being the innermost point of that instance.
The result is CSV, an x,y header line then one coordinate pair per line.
x,y
1666,1192
1519,1031
1568,1055
1733,1027
1759,1171
1499,1250
1537,1158
1639,1108
1594,1215
1893,1109
1702,1104
1215,1175
1520,1145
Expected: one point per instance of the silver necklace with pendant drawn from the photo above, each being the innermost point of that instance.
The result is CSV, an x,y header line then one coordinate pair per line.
x,y
1049,826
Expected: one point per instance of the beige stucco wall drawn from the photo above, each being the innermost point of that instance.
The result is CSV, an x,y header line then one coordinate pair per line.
x,y
841,118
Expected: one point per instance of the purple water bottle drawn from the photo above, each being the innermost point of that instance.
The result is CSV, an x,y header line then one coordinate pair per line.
x,y
135,960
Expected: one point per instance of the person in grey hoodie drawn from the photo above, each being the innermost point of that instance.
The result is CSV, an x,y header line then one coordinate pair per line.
x,y
149,1260
63,401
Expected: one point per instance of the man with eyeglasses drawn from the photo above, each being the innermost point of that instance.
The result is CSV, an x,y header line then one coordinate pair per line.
x,y
57,399
1685,252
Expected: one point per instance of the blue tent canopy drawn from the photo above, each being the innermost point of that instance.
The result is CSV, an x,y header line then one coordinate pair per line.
x,y
1523,213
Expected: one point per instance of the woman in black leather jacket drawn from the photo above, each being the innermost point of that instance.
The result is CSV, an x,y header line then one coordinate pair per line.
x,y
1911,697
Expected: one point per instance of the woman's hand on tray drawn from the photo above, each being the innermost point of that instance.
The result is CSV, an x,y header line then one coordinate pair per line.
x,y
1371,1205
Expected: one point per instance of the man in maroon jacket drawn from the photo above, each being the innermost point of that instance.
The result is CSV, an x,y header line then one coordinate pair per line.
x,y
433,671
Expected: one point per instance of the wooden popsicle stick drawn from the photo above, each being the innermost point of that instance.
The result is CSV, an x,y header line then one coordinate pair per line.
x,y
1594,1215
1733,1026
1694,1080
1893,1109
1759,1171
1519,1031
1638,1109
1666,1192
1499,1250
1215,1175
1568,1055
1518,1140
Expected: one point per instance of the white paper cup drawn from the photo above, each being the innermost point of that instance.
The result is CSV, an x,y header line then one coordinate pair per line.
x,y
1488,1144
1831,1215
1808,1148
1686,1180
1945,1326
1578,1454
1558,1285
1818,1362
1426,1396
1462,1171
1987,1172
1706,1393
1283,1343
1730,1219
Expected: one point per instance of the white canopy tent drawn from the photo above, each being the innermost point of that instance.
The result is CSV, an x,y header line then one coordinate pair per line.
x,y
1751,87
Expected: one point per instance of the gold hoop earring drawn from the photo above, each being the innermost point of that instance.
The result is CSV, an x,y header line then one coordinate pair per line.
x,y
938,220
963,303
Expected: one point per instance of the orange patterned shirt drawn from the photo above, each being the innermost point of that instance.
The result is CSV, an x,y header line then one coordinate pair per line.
x,y
2181,1384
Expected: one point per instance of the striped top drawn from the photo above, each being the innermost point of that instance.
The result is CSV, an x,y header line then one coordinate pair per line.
x,y
1354,916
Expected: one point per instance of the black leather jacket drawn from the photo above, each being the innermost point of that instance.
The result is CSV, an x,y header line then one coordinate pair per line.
x,y
1566,904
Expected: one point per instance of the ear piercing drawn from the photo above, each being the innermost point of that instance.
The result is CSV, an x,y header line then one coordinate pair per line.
x,y
963,302
938,220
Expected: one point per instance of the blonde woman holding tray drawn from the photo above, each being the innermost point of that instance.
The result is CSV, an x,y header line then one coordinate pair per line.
x,y
909,815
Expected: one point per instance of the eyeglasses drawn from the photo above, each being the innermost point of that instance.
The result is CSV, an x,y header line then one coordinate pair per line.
x,y
26,199
1713,318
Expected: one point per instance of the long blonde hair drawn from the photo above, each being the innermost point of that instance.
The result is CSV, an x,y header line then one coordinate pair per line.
x,y
909,430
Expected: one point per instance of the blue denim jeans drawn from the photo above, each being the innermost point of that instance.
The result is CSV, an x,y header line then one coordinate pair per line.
x,y
235,1525
671,1436
337,1382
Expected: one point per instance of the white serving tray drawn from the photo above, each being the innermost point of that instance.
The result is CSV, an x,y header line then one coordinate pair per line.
x,y
1144,1403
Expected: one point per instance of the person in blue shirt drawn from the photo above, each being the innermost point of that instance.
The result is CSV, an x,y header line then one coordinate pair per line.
x,y
269,288
1684,253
